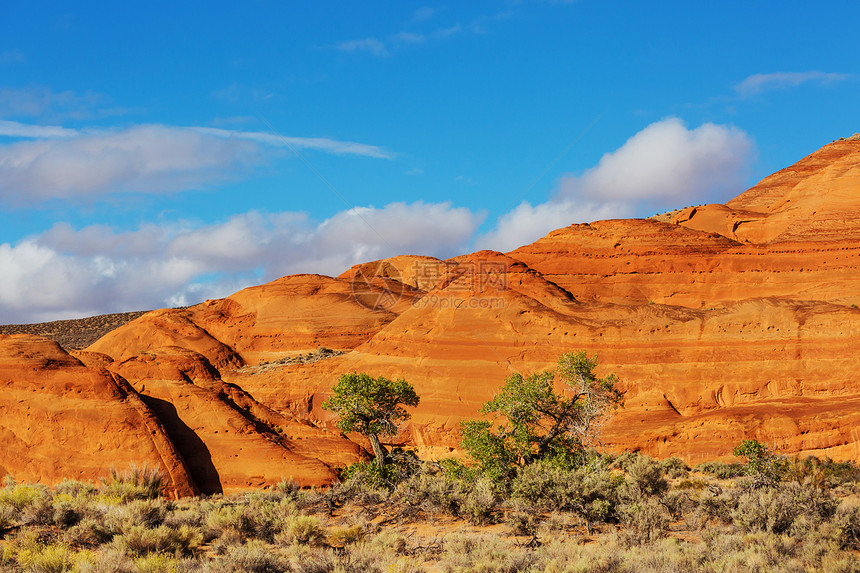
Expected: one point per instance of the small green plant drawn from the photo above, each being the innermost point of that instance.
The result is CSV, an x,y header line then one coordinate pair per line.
x,y
764,467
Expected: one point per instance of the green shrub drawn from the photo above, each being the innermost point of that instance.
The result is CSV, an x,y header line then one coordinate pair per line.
x,y
8,518
766,509
139,540
88,532
472,552
646,478
47,559
646,520
721,470
847,520
302,529
21,496
135,483
675,467
480,501
340,536
432,493
255,557
764,467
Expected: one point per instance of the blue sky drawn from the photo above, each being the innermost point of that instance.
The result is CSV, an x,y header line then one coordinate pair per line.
x,y
161,157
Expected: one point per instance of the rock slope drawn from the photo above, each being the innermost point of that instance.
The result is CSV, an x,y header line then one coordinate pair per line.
x,y
724,322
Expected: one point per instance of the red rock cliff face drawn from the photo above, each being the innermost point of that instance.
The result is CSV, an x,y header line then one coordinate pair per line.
x,y
724,322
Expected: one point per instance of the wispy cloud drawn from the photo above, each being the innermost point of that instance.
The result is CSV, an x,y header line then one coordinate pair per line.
x,y
12,57
27,131
409,38
370,45
44,103
758,83
55,162
77,272
317,143
422,14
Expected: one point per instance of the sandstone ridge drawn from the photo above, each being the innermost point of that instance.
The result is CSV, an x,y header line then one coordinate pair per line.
x,y
724,322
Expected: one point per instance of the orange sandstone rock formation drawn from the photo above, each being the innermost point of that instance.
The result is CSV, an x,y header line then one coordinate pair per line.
x,y
724,322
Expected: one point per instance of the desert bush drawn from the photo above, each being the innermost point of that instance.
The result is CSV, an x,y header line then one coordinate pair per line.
x,y
774,509
480,501
21,496
302,529
255,517
473,552
590,491
389,542
646,520
110,560
675,467
847,520
763,467
8,518
691,484
139,540
255,557
74,488
137,482
88,532
137,512
768,509
645,478
432,492
47,559
522,522
721,470
357,490
347,535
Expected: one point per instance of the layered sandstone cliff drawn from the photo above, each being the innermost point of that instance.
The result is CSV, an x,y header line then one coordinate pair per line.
x,y
724,322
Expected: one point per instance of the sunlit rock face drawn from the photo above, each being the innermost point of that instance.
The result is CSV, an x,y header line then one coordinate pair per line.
x,y
723,322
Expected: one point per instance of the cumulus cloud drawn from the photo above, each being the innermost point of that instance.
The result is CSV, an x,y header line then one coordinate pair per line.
x,y
667,161
69,272
56,162
665,164
758,83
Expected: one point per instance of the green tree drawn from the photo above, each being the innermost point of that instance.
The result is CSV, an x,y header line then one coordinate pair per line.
x,y
371,407
536,421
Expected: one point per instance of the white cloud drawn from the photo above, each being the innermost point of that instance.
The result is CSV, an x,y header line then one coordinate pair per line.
x,y
527,223
67,272
667,161
27,131
665,164
146,159
371,45
758,83
65,163
317,143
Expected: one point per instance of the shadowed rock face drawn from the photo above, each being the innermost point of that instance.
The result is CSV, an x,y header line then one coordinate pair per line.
x,y
724,322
